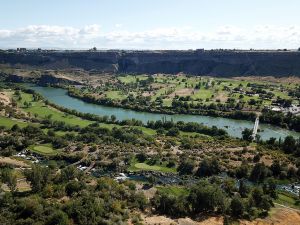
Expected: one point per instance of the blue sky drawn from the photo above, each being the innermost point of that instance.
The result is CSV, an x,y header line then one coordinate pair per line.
x,y
150,24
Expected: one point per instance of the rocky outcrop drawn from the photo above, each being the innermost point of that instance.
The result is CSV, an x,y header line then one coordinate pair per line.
x,y
17,78
50,79
217,63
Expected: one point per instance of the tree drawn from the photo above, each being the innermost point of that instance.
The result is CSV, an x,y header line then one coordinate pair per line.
x,y
73,186
51,133
259,172
174,131
170,204
256,158
68,173
186,167
141,157
243,189
15,128
58,218
229,186
237,207
247,134
242,171
10,178
269,188
113,118
38,177
205,197
276,168
257,196
208,167
289,144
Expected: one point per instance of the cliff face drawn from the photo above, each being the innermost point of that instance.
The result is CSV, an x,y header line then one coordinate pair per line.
x,y
217,63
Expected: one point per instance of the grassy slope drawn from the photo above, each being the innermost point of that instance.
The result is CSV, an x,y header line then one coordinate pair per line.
x,y
8,123
42,111
287,200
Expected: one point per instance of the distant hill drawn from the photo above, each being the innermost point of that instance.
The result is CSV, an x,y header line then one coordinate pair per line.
x,y
225,63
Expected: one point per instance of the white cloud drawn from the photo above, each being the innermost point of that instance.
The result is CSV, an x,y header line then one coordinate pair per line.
x,y
118,25
161,38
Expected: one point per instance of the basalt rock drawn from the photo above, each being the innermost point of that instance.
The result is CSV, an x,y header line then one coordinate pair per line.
x,y
50,79
217,63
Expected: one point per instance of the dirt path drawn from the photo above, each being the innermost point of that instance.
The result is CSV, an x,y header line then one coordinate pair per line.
x,y
90,167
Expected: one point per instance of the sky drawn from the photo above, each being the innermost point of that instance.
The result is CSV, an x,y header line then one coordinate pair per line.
x,y
150,24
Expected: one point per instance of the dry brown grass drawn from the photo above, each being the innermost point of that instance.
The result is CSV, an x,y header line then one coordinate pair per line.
x,y
182,92
5,98
278,216
13,162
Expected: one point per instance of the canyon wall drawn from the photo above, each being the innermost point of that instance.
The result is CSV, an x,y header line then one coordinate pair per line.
x,y
216,63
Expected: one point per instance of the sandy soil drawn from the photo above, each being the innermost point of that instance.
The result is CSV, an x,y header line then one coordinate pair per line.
x,y
4,98
222,97
278,216
147,93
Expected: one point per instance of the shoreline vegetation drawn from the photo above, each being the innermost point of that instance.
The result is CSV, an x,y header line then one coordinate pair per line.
x,y
268,117
186,127
233,178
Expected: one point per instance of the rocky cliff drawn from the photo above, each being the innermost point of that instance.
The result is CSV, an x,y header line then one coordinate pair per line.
x,y
217,63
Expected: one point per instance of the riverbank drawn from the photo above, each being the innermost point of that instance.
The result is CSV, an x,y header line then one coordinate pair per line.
x,y
233,127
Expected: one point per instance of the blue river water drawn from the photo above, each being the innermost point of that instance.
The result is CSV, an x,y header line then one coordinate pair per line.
x,y
233,127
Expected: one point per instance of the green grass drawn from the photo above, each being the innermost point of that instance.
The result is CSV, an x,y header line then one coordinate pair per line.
x,y
131,78
287,199
115,95
146,130
137,166
43,111
8,122
173,190
203,93
43,149
144,166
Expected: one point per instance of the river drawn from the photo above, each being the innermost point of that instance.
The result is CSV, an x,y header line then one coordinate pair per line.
x,y
234,128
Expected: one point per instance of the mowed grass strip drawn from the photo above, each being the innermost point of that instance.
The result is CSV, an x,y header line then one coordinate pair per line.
x,y
144,166
43,149
173,190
